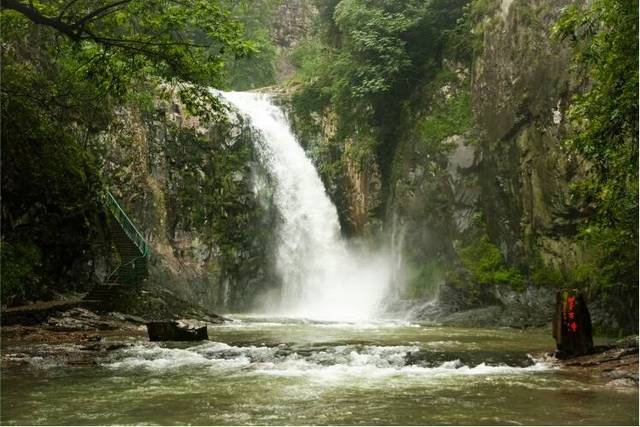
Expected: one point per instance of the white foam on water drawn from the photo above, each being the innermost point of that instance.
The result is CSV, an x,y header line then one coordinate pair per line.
x,y
333,364
323,277
289,323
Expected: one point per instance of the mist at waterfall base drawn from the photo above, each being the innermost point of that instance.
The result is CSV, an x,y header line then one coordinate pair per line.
x,y
323,276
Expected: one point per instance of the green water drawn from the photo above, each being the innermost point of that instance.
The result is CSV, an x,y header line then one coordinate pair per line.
x,y
275,371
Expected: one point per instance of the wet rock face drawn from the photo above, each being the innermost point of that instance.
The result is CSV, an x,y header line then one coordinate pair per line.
x,y
188,185
521,90
513,169
522,75
293,20
362,184
491,306
508,176
355,187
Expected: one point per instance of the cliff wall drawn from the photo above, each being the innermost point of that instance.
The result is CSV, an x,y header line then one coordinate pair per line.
x,y
188,184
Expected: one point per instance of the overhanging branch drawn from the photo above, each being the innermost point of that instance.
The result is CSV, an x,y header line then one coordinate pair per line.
x,y
38,18
98,12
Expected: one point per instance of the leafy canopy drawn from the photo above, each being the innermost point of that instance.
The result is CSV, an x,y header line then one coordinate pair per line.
x,y
368,56
116,43
184,40
604,38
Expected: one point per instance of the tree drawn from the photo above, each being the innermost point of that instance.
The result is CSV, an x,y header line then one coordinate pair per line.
x,y
604,38
67,67
183,39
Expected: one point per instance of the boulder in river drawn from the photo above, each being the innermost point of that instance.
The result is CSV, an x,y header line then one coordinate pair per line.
x,y
170,330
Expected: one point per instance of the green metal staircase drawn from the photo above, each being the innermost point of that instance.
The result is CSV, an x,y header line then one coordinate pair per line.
x,y
132,250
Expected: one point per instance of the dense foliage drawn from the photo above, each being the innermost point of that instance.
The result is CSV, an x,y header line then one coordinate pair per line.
x,y
369,53
604,37
68,66
258,69
486,263
370,60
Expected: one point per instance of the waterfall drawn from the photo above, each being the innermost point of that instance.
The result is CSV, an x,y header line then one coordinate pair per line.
x,y
398,278
323,277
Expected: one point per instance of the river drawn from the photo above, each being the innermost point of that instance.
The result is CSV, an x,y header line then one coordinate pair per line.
x,y
287,371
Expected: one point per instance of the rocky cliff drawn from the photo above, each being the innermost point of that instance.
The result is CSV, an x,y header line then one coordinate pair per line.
x,y
521,91
188,184
507,177
292,22
506,173
479,199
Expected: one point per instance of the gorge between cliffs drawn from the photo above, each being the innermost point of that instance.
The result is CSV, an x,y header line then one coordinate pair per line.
x,y
372,212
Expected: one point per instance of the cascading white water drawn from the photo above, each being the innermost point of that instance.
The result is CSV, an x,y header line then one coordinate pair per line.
x,y
323,278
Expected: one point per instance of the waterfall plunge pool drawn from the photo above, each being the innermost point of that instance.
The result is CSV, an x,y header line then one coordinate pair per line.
x,y
286,371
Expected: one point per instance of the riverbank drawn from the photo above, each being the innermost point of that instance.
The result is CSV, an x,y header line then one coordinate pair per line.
x,y
47,329
495,306
33,334
616,363
92,335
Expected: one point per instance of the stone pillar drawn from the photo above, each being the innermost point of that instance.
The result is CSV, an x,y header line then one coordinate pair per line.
x,y
572,324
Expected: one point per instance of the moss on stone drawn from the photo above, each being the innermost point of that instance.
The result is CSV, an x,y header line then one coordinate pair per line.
x,y
424,283
485,261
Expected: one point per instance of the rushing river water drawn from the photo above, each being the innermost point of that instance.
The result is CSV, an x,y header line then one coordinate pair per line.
x,y
279,371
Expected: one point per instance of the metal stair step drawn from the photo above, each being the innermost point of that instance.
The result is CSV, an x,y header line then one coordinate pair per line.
x,y
131,248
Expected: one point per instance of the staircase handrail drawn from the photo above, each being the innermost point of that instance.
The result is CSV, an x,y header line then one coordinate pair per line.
x,y
127,225
121,267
